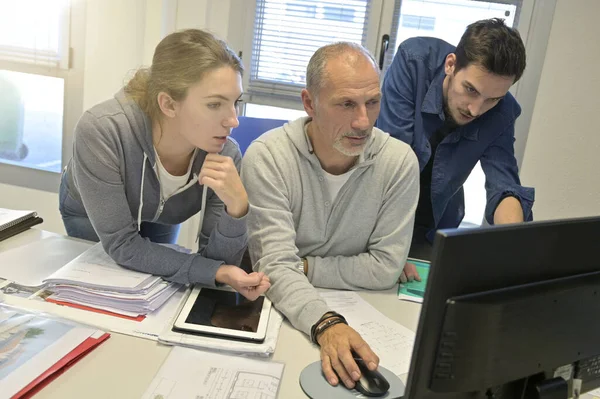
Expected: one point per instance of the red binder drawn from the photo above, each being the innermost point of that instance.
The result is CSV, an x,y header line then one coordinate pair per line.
x,y
91,309
60,367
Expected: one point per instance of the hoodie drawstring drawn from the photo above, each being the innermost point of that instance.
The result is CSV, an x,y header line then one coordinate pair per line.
x,y
204,189
139,218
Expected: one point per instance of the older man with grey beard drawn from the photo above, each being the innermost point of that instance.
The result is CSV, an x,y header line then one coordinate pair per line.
x,y
332,204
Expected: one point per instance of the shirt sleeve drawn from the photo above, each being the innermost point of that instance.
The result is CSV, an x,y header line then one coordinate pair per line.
x,y
397,115
272,240
223,237
502,176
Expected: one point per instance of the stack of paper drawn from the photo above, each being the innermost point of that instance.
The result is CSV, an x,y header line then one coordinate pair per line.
x,y
34,350
94,280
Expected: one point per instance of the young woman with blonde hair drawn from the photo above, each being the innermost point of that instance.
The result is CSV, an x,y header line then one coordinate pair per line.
x,y
158,153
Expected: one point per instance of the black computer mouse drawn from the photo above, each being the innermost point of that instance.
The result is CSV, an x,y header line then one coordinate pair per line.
x,y
371,382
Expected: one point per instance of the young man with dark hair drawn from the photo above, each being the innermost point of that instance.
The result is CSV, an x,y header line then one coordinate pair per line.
x,y
452,105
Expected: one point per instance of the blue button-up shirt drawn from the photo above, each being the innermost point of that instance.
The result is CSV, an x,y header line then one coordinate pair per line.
x,y
412,109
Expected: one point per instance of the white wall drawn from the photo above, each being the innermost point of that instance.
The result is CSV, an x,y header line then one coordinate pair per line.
x,y
561,157
114,46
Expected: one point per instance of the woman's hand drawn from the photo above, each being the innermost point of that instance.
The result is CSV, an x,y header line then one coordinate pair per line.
x,y
220,174
250,285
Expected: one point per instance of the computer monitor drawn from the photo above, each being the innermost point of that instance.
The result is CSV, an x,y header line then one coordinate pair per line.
x,y
505,307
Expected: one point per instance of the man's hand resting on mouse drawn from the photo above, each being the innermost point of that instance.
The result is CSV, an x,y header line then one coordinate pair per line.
x,y
336,345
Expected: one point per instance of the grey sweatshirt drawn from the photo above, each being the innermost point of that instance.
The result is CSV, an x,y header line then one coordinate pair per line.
x,y
113,176
359,240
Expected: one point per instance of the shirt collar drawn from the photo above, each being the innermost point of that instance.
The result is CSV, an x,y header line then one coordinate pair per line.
x,y
433,103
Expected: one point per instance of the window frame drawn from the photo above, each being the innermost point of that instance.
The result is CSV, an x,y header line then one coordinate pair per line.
x,y
243,14
17,174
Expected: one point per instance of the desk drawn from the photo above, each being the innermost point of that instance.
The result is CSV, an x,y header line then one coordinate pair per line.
x,y
124,366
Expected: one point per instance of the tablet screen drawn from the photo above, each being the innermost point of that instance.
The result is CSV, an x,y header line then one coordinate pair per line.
x,y
225,309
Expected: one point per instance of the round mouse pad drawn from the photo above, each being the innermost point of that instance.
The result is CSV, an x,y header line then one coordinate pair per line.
x,y
314,384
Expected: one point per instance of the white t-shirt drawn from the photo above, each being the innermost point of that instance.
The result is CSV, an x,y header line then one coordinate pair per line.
x,y
335,182
169,184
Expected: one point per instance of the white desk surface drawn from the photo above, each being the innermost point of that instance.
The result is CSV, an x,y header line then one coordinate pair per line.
x,y
124,366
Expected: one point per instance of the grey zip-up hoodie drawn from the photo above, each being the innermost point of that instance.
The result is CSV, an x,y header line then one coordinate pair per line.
x,y
112,179
359,240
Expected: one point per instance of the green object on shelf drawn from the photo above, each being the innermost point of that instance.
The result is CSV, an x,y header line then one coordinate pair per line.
x,y
12,110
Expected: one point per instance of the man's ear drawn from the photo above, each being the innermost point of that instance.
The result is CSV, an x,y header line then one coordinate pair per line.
x,y
166,104
309,102
450,64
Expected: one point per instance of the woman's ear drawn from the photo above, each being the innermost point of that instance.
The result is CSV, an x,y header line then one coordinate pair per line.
x,y
166,104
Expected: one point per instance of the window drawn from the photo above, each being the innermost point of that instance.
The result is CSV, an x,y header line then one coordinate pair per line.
x,y
447,20
39,87
31,123
35,32
417,22
269,112
285,35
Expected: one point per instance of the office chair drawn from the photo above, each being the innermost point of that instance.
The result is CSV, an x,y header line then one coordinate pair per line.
x,y
250,128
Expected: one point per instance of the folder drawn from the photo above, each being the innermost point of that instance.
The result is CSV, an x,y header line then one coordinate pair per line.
x,y
35,349
60,367
95,310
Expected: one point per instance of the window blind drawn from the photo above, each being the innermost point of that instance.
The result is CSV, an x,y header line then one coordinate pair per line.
x,y
288,32
35,32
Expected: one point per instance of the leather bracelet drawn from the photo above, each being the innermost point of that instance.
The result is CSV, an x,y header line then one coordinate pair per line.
x,y
326,316
324,326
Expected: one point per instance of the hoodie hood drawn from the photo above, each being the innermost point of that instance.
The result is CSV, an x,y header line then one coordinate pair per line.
x,y
141,125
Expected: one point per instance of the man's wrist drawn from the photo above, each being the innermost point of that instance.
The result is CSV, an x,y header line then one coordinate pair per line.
x,y
302,266
326,321
327,326
509,210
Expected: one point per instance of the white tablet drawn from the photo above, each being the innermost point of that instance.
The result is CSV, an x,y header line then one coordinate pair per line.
x,y
224,312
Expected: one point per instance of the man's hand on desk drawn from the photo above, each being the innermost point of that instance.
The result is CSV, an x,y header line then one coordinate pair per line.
x,y
336,345
409,273
250,285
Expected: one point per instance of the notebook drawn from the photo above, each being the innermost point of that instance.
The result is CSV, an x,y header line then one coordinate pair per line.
x,y
13,222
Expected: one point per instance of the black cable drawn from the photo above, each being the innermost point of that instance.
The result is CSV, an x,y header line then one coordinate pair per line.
x,y
576,370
